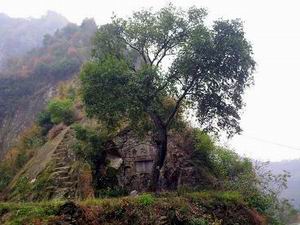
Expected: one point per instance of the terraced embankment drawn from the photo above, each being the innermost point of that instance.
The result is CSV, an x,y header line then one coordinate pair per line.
x,y
216,208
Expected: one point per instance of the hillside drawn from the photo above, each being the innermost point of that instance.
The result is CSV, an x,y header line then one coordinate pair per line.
x,y
74,160
18,36
198,208
30,81
293,167
93,129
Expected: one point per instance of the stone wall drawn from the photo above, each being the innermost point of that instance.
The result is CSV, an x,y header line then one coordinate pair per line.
x,y
136,155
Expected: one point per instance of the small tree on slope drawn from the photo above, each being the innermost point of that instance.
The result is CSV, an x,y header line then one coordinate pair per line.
x,y
141,61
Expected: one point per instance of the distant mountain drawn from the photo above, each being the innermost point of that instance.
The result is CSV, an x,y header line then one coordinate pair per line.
x,y
292,166
19,35
28,82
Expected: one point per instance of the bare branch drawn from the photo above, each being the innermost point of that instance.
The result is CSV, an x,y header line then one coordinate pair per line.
x,y
142,53
178,103
165,44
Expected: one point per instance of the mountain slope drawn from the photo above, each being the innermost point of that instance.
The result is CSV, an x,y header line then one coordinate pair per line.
x,y
33,79
18,36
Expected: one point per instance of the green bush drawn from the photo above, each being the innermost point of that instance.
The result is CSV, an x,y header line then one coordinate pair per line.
x,y
228,164
61,111
260,188
89,145
204,147
44,121
225,163
146,199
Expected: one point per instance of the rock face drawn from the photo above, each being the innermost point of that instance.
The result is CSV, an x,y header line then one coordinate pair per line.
x,y
138,155
12,124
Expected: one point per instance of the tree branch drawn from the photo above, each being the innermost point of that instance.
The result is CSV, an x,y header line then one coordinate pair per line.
x,y
168,121
165,44
142,53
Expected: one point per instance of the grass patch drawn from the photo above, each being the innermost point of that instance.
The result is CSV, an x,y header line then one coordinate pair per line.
x,y
145,199
26,213
190,208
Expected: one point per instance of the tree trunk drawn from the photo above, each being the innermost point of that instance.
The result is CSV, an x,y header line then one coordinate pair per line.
x,y
162,146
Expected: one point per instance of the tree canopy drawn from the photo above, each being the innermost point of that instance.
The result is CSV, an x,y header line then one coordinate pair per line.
x,y
142,61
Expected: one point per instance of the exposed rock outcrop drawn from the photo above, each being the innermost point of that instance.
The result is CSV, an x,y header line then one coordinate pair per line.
x,y
138,153
54,171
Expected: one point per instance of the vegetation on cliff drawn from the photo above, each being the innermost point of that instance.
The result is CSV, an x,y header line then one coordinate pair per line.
x,y
30,81
127,76
18,36
65,155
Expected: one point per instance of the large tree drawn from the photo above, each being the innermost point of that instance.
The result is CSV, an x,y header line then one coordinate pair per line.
x,y
141,62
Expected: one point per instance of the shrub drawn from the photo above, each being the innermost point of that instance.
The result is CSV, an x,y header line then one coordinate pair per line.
x,y
61,111
44,121
204,147
261,189
229,165
225,163
146,199
90,144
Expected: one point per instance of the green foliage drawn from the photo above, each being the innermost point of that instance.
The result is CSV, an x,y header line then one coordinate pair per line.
x,y
145,199
112,79
260,188
90,144
262,191
209,70
224,163
21,189
229,165
29,213
144,209
44,121
126,75
21,159
204,147
61,111
65,66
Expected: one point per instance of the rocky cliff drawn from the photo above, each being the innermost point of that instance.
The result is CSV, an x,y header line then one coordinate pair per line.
x,y
34,78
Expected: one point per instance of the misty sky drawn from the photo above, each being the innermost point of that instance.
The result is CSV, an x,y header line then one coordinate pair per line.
x,y
271,118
